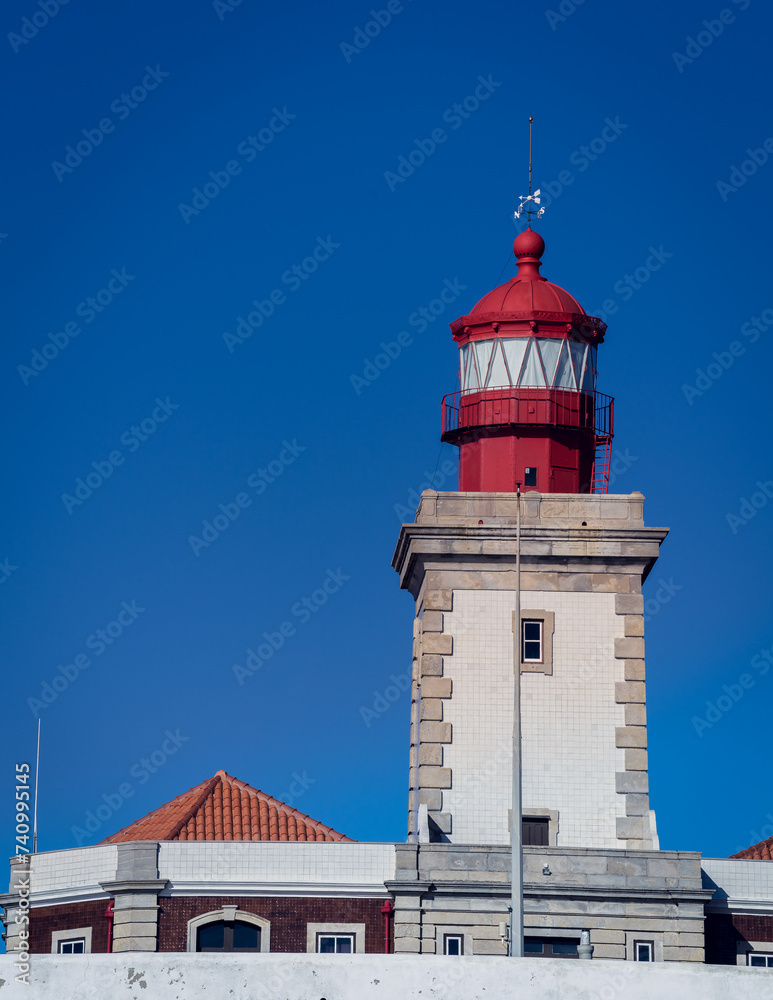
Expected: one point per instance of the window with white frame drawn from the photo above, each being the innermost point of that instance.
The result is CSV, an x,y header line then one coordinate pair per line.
x,y
229,929
72,946
335,938
335,944
74,941
532,640
453,944
644,951
759,961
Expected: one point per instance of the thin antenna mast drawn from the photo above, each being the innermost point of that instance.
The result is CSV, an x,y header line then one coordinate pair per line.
x,y
528,203
531,122
35,811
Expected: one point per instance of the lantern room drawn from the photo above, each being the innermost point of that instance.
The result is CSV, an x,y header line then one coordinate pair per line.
x,y
527,409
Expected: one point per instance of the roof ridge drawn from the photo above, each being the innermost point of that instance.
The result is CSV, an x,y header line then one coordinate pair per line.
x,y
197,804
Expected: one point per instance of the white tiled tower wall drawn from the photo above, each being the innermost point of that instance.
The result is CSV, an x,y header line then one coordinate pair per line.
x,y
568,718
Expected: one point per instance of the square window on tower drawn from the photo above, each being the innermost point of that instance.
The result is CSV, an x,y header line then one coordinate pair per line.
x,y
530,476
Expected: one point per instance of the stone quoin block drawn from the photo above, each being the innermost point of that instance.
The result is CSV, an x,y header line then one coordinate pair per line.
x,y
431,753
439,600
432,798
431,665
635,715
629,604
434,777
635,759
432,709
442,821
436,687
634,670
407,930
632,827
637,805
435,732
632,782
437,642
630,691
632,647
631,736
432,621
634,625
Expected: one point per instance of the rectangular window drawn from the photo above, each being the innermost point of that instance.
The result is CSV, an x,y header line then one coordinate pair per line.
x,y
550,947
335,944
530,477
453,944
644,951
761,961
532,641
75,946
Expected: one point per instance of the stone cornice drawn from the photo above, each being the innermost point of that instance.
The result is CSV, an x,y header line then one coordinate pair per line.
x,y
58,897
544,548
756,906
276,890
135,885
538,890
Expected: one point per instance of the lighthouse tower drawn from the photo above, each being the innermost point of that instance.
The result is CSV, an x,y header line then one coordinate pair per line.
x,y
528,411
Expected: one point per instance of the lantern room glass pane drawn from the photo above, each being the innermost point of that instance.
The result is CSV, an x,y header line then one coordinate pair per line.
x,y
549,349
587,378
564,371
497,377
482,350
593,367
532,371
578,358
515,348
465,366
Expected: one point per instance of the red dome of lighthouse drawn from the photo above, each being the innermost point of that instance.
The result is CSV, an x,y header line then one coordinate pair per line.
x,y
528,291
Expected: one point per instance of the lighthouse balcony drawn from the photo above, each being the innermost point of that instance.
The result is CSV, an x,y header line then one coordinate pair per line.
x,y
517,407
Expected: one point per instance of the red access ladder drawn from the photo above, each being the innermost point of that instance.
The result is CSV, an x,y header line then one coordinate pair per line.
x,y
601,463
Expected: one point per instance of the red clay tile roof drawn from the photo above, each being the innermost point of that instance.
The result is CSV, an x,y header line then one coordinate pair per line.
x,y
224,808
757,852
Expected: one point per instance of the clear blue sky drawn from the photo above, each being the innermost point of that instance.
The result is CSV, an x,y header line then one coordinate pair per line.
x,y
184,88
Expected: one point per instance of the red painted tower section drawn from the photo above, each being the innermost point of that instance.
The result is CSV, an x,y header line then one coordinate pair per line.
x,y
527,409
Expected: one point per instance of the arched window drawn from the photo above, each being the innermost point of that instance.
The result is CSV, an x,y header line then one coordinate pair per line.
x,y
229,930
227,935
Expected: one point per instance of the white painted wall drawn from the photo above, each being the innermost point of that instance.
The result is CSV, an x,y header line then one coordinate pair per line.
x,y
373,977
266,867
741,880
74,873
568,718
240,867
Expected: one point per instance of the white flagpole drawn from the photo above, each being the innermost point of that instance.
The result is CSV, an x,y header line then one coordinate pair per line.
x,y
516,830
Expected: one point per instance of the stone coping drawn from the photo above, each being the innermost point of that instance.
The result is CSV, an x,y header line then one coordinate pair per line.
x,y
560,509
372,977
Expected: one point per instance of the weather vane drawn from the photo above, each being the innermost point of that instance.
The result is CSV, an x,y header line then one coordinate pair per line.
x,y
528,203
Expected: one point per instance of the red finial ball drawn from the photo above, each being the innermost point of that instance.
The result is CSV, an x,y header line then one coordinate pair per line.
x,y
528,244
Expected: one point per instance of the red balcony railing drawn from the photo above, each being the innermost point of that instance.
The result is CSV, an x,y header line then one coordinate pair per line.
x,y
511,407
